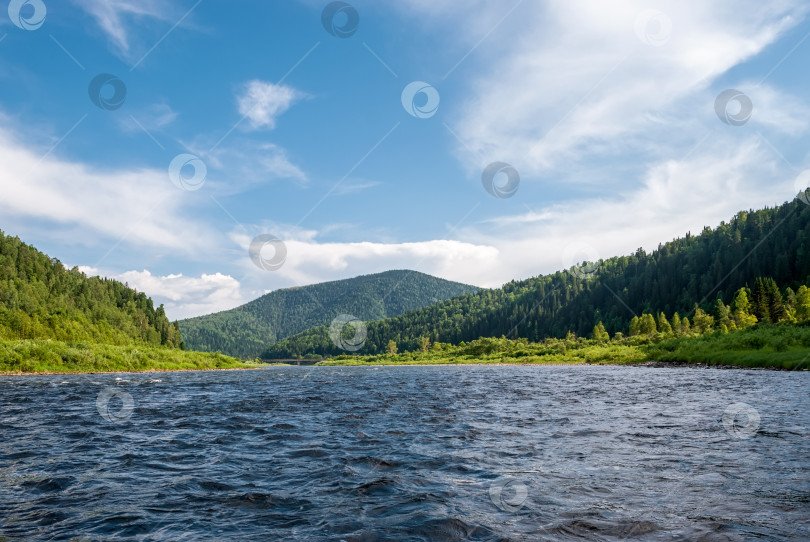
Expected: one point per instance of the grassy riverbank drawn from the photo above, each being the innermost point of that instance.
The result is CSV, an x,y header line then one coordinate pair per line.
x,y
783,346
46,356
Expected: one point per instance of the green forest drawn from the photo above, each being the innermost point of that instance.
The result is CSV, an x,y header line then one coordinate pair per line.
x,y
249,330
41,299
751,269
59,320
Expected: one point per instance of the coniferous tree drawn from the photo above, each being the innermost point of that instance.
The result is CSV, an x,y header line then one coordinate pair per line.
x,y
759,301
721,314
776,306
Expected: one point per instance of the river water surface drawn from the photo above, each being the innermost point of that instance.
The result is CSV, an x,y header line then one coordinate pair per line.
x,y
407,453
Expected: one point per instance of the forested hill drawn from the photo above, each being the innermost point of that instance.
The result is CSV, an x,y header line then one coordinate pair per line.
x,y
40,299
248,330
693,269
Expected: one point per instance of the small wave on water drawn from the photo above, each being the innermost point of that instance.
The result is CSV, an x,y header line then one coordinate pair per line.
x,y
407,453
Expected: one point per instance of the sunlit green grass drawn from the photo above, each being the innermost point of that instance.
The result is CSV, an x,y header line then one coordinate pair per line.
x,y
782,346
46,356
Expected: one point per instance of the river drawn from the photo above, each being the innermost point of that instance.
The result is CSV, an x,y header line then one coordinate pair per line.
x,y
407,453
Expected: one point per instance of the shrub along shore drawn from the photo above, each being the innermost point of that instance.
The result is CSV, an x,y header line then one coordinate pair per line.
x,y
777,346
47,356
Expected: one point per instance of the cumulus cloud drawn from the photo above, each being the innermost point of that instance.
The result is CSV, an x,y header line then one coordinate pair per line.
x,y
311,261
263,102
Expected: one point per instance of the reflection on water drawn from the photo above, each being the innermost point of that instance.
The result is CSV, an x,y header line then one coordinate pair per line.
x,y
407,453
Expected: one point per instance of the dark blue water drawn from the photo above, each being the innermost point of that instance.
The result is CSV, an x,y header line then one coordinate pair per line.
x,y
407,453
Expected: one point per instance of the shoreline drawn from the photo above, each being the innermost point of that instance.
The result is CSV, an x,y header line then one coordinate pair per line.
x,y
651,364
147,371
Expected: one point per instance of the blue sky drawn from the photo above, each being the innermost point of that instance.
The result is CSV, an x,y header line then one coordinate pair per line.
x,y
605,110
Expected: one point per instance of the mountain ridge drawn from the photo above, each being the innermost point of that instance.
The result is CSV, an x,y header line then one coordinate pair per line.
x,y
249,329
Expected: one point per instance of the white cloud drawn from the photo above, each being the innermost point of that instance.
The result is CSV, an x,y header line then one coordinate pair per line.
x,y
140,206
311,261
263,102
347,188
778,110
244,163
114,15
582,85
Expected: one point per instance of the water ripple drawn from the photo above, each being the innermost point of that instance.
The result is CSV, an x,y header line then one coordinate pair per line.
x,y
406,453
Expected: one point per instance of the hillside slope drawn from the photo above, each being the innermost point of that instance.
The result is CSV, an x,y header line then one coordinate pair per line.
x,y
248,330
689,270
41,299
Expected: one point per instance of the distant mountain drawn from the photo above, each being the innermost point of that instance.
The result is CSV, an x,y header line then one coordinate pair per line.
x,y
41,299
693,269
249,330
